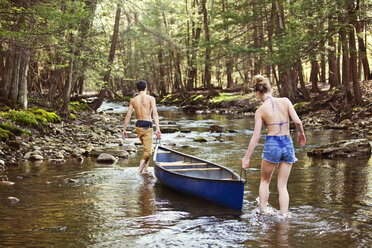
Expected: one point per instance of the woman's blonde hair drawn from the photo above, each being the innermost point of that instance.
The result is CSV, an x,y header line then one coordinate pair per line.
x,y
261,84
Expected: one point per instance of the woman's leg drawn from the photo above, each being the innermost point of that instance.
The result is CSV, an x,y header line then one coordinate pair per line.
x,y
267,170
283,174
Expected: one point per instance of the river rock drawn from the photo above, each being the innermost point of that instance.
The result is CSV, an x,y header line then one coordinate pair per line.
x,y
36,157
14,144
131,135
118,153
95,152
6,183
13,199
204,139
106,158
343,149
217,129
2,163
169,130
57,161
130,148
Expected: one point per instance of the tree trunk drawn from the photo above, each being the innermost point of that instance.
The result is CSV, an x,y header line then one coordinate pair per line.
x,y
345,62
13,93
332,60
101,97
363,51
207,67
314,76
22,93
304,91
68,86
353,56
353,68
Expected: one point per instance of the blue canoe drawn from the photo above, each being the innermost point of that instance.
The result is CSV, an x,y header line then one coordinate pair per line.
x,y
199,178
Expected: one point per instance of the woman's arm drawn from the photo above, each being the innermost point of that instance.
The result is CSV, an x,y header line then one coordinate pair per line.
x,y
300,130
254,139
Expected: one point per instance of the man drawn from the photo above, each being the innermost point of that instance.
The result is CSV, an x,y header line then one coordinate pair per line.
x,y
143,105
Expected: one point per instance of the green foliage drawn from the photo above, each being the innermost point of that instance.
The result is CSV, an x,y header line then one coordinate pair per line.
x,y
72,116
32,117
226,97
78,106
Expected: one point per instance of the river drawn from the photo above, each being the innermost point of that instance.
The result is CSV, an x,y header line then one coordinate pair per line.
x,y
115,206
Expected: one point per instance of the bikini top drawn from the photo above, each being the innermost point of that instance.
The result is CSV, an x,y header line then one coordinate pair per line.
x,y
281,123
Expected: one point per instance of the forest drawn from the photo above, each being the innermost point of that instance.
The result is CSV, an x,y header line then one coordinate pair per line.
x,y
59,50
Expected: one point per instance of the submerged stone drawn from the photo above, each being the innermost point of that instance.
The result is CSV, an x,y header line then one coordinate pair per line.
x,y
343,149
106,158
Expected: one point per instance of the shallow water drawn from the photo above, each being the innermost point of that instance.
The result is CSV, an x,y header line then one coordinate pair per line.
x,y
114,206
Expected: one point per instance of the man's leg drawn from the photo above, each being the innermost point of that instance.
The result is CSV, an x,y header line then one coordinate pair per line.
x,y
267,170
283,174
146,139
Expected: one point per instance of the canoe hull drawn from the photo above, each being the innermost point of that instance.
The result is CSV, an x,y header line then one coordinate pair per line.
x,y
228,193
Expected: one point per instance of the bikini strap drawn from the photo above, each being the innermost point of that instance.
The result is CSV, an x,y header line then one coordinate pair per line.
x,y
272,102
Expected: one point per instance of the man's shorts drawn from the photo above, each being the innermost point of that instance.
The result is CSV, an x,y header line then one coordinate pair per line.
x,y
279,149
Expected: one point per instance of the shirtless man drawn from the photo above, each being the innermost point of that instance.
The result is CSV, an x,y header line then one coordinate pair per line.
x,y
143,105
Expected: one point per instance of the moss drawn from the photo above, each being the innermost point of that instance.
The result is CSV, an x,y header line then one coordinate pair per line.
x,y
72,116
196,98
227,97
45,116
22,118
171,99
78,106
300,106
14,130
32,117
5,135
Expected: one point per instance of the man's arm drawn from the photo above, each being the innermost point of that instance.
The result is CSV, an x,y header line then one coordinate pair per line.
x,y
126,120
155,116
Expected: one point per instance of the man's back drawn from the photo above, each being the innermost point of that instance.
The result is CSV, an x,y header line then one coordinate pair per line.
x,y
142,105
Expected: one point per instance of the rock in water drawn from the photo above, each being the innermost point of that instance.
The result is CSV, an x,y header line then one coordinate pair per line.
x,y
343,149
106,158
13,199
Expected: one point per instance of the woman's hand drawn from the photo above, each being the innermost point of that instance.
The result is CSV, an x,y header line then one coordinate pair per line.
x,y
124,134
245,162
301,138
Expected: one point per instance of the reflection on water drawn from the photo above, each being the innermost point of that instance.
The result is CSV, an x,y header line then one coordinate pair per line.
x,y
115,206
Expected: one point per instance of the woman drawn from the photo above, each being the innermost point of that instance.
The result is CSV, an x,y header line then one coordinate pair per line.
x,y
274,113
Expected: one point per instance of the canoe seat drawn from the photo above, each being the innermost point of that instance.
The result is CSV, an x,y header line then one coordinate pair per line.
x,y
163,152
179,163
195,169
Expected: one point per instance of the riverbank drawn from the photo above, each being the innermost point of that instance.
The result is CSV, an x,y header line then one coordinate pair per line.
x,y
328,109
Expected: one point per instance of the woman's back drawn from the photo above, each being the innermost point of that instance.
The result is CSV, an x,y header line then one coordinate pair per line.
x,y
275,114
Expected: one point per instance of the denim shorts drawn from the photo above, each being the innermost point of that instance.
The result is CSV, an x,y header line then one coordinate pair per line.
x,y
279,149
